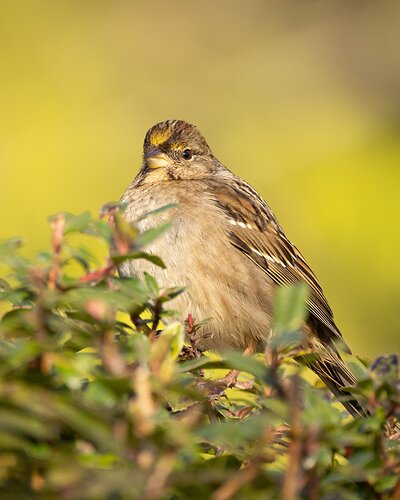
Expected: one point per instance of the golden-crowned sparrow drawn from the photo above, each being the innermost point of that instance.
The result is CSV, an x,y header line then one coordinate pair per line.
x,y
227,248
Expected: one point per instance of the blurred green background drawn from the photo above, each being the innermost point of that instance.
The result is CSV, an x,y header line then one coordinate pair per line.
x,y
300,98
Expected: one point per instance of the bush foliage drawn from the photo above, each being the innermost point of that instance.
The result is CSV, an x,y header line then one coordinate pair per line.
x,y
100,400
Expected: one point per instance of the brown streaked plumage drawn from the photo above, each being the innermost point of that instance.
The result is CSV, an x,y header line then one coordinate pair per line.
x,y
227,247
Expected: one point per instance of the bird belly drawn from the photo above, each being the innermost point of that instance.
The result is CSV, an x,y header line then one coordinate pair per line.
x,y
222,286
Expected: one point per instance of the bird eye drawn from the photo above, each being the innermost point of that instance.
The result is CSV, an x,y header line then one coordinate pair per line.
x,y
186,154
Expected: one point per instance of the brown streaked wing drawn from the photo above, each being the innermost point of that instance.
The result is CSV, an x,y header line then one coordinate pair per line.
x,y
255,231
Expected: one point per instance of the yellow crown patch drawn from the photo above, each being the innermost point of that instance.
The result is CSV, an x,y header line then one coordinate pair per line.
x,y
158,137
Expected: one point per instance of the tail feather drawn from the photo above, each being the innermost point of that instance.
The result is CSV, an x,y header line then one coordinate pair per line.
x,y
336,376
327,363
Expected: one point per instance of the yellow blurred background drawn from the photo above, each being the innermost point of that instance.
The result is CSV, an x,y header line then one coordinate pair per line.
x,y
301,98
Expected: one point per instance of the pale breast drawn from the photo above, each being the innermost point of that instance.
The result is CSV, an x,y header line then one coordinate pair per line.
x,y
221,283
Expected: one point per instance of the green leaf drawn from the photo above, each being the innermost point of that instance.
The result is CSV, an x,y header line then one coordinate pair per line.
x,y
151,284
290,309
118,259
100,228
236,360
168,345
386,483
231,434
10,246
176,331
76,223
17,296
141,346
230,360
157,211
202,362
150,235
45,256
286,341
171,293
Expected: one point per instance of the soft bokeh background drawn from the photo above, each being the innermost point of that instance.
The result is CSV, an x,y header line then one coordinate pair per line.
x,y
301,98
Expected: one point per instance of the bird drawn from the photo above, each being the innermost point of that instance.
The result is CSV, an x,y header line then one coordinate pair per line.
x,y
227,248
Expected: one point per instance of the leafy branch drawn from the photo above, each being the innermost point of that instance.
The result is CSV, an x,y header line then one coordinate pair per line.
x,y
104,395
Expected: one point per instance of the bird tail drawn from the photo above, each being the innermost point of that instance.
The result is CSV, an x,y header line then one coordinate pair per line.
x,y
332,370
325,361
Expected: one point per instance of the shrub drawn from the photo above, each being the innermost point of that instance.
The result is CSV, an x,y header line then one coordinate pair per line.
x,y
98,399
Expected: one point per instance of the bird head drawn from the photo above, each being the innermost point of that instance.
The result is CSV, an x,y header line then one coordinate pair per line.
x,y
174,150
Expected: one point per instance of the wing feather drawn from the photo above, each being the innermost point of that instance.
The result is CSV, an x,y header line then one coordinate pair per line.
x,y
254,230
